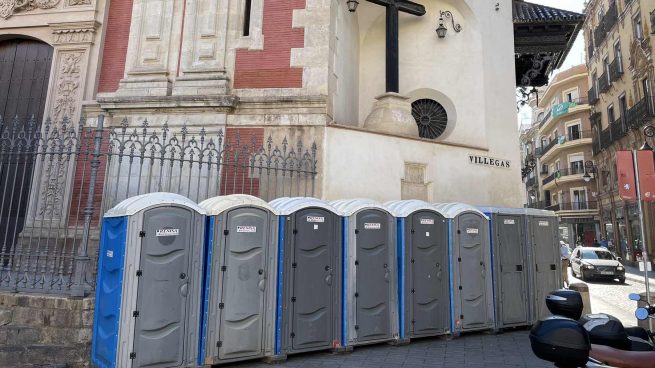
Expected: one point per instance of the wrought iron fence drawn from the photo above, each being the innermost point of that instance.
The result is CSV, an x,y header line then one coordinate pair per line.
x,y
57,178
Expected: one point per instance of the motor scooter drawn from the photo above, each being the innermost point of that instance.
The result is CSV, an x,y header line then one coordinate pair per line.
x,y
630,359
569,339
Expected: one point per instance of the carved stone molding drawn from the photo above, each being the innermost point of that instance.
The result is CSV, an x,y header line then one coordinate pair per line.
x,y
69,33
68,85
10,7
79,2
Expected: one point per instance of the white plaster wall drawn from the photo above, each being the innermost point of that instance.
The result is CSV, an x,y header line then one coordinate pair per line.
x,y
452,66
344,71
360,164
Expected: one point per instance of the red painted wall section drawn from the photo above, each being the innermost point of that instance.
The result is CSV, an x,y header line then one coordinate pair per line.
x,y
271,67
238,174
117,33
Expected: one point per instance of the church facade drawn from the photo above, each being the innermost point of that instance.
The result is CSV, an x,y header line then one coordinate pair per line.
x,y
310,70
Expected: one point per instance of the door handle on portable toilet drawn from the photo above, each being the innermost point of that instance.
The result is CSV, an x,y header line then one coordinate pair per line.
x,y
184,289
328,279
386,275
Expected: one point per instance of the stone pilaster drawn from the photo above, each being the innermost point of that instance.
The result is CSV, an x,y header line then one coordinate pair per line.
x,y
202,69
153,48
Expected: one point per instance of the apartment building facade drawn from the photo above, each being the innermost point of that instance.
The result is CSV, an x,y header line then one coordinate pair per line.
x,y
558,148
618,35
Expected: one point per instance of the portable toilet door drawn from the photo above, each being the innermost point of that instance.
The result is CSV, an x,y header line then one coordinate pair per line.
x,y
472,285
544,233
309,309
370,292
240,291
510,259
148,290
423,269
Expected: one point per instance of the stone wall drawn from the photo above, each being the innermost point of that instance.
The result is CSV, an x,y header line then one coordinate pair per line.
x,y
38,330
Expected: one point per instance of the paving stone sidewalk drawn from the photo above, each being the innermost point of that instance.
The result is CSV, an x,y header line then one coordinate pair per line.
x,y
479,350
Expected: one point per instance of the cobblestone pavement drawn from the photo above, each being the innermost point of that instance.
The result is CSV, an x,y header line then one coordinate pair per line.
x,y
478,350
612,298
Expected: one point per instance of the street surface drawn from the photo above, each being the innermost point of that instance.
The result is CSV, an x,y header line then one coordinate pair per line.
x,y
477,350
612,298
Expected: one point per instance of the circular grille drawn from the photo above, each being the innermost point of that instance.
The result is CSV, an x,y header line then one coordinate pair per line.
x,y
430,117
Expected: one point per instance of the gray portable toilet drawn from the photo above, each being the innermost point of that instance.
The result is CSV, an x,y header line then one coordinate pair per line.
x,y
471,268
309,288
423,269
241,279
543,227
370,272
511,259
147,310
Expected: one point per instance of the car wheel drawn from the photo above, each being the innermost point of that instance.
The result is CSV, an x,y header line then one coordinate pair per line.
x,y
621,280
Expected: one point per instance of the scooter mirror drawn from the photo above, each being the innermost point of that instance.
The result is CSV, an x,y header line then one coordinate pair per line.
x,y
635,297
641,314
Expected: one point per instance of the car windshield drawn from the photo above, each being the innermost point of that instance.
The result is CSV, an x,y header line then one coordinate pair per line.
x,y
596,254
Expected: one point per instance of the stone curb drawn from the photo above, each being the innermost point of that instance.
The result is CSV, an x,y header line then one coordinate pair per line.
x,y
638,278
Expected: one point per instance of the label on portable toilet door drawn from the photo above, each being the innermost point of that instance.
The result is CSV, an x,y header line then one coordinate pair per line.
x,y
472,231
427,221
543,223
509,222
110,253
168,232
246,229
372,226
315,219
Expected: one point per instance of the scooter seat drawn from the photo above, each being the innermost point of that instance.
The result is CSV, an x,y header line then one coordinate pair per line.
x,y
638,344
637,332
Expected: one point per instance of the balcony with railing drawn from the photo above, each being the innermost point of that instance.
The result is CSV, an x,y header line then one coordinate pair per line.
x,y
573,206
543,150
562,109
563,173
604,83
616,69
606,23
592,96
531,182
641,113
599,34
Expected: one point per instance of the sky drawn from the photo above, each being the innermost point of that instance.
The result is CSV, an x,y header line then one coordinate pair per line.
x,y
576,55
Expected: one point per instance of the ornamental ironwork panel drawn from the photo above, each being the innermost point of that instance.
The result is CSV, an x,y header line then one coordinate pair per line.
x,y
57,178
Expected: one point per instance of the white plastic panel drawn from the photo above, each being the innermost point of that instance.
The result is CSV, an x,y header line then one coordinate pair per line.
x,y
349,207
288,205
217,205
407,208
452,210
142,202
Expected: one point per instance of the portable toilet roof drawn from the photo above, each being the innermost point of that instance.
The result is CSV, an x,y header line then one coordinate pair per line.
x,y
142,202
348,207
406,208
217,205
452,210
288,205
503,210
536,212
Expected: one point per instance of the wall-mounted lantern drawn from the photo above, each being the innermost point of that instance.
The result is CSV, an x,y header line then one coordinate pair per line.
x,y
442,30
352,5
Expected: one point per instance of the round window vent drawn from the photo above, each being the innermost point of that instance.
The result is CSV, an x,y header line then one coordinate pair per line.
x,y
430,117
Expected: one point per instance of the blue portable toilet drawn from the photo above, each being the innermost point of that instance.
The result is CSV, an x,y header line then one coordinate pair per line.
x,y
370,272
149,283
472,303
241,279
512,254
423,276
309,307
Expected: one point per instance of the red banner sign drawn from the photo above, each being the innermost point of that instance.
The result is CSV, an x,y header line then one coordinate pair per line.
x,y
625,171
646,175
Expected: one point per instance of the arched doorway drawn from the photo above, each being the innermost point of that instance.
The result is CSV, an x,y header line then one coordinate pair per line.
x,y
24,74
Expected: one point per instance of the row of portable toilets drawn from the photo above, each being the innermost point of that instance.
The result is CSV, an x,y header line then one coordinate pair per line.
x,y
236,278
